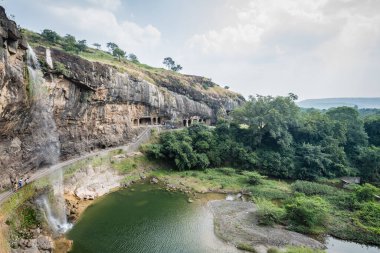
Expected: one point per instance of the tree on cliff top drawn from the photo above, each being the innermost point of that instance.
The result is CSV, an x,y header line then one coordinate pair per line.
x,y
170,64
112,46
50,36
97,45
117,52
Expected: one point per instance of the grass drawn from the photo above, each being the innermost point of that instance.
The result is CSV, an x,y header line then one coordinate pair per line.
x,y
246,247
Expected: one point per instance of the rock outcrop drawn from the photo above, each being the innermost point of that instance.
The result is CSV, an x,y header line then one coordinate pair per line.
x,y
93,105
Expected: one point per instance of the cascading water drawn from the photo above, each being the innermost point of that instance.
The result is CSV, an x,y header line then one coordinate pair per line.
x,y
46,133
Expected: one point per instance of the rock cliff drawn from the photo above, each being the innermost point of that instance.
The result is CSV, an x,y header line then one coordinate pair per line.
x,y
93,105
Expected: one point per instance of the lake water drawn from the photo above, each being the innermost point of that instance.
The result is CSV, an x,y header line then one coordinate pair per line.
x,y
339,246
148,220
151,220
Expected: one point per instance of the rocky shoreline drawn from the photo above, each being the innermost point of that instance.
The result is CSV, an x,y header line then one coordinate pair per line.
x,y
236,222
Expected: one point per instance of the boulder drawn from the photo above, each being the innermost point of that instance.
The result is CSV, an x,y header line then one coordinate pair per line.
x,y
45,243
154,180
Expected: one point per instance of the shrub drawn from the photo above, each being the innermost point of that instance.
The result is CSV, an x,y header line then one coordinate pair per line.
x,y
366,192
303,250
368,217
307,214
268,213
254,178
311,188
228,171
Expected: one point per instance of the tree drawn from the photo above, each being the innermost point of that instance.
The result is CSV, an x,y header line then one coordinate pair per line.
x,y
112,46
133,58
81,45
355,135
269,120
369,160
170,64
50,36
372,128
117,52
70,43
227,87
176,68
97,45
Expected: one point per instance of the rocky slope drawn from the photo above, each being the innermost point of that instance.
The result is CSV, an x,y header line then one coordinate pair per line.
x,y
92,105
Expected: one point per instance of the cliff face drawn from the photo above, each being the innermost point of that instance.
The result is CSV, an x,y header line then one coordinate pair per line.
x,y
93,105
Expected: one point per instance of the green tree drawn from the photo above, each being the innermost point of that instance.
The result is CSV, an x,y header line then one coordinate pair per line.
x,y
50,36
170,64
70,43
269,120
97,45
117,52
355,135
112,46
369,160
372,128
81,45
133,58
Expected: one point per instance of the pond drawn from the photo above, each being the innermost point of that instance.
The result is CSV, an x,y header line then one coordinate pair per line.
x,y
149,220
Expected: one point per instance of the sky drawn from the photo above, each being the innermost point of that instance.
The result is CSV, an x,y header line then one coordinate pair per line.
x,y
313,48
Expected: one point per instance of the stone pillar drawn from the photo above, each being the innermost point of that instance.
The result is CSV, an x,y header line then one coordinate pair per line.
x,y
187,123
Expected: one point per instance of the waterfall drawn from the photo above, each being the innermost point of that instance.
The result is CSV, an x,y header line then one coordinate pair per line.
x,y
49,61
48,148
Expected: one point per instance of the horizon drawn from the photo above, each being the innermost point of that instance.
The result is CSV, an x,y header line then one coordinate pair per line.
x,y
314,49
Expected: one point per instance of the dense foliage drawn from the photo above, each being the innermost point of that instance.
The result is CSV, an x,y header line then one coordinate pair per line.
x,y
273,136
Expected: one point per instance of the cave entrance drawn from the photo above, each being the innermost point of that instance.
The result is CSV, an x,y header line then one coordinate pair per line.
x,y
135,122
145,121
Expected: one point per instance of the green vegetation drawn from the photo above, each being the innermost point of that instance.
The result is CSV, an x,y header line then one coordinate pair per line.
x,y
296,250
170,64
307,214
268,213
271,135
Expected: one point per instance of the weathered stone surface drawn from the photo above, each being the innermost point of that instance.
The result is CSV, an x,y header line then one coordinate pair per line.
x,y
45,243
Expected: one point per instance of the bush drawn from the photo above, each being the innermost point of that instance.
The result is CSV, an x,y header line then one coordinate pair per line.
x,y
253,177
311,188
227,171
268,213
368,217
307,214
303,250
366,192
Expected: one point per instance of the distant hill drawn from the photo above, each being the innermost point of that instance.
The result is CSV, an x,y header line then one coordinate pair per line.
x,y
326,103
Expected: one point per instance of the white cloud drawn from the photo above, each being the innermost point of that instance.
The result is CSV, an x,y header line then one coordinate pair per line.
x,y
102,26
310,47
107,4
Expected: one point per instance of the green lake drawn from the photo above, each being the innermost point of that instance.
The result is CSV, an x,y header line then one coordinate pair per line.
x,y
147,219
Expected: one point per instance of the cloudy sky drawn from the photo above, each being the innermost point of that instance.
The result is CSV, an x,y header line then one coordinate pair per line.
x,y
313,48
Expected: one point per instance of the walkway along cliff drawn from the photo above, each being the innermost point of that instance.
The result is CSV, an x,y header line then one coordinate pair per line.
x,y
94,105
